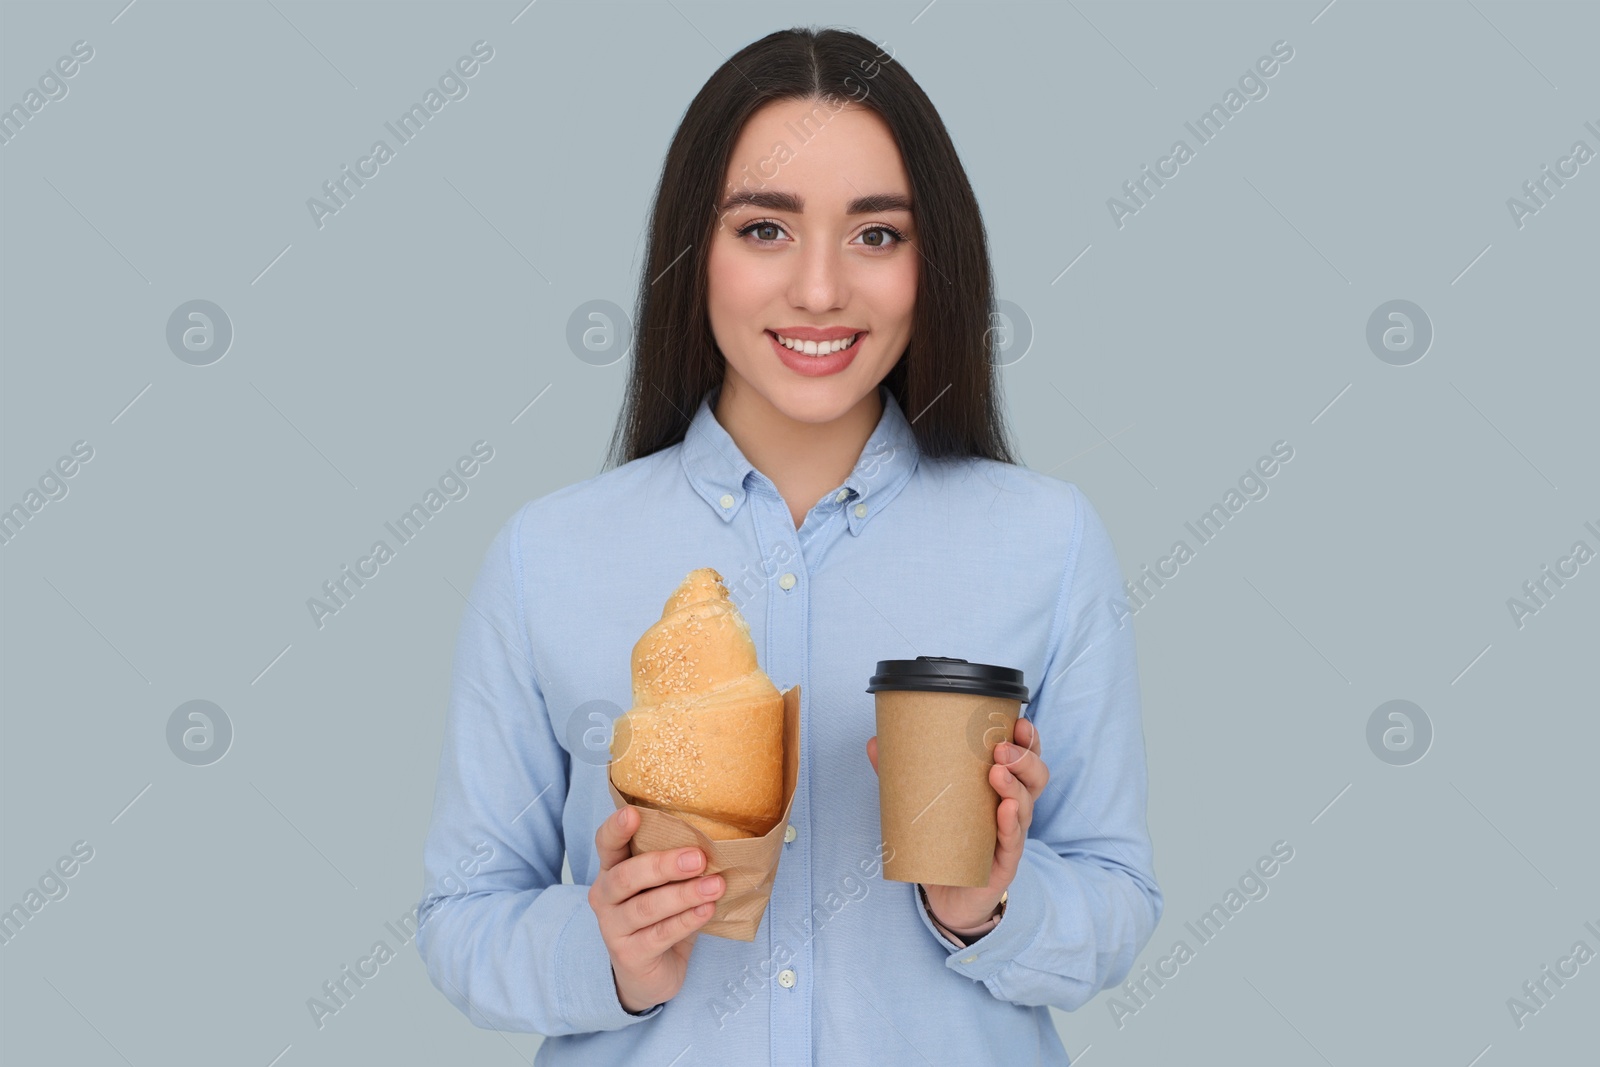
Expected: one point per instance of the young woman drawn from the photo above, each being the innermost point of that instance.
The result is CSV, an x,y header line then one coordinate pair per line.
x,y
812,411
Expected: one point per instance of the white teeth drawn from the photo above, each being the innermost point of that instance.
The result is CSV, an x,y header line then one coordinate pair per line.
x,y
817,348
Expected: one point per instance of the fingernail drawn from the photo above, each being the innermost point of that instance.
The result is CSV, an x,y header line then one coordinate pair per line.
x,y
1003,750
689,861
709,886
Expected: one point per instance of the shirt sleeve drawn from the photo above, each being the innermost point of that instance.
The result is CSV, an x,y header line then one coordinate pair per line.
x,y
503,938
1085,900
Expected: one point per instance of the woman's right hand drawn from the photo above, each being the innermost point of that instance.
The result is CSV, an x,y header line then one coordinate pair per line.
x,y
650,909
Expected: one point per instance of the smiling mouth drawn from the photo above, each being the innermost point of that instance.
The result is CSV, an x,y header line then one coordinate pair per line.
x,y
817,348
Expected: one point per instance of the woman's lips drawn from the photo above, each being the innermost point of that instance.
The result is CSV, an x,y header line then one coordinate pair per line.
x,y
815,366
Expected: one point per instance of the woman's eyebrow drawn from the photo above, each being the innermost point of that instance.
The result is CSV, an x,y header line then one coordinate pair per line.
x,y
775,200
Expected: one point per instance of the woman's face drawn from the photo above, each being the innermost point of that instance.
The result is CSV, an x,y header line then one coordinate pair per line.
x,y
816,250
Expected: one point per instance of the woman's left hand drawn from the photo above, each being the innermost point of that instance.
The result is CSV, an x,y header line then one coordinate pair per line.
x,y
1019,775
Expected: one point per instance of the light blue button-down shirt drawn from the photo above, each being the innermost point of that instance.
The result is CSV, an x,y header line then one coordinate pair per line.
x,y
910,556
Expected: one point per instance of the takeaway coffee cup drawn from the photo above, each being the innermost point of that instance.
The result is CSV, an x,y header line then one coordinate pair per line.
x,y
939,719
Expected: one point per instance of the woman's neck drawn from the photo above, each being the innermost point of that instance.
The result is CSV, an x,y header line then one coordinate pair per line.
x,y
803,459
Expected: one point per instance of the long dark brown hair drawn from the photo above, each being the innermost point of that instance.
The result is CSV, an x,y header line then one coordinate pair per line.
x,y
945,380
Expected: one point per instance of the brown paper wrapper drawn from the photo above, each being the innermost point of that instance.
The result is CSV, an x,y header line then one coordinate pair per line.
x,y
936,806
748,865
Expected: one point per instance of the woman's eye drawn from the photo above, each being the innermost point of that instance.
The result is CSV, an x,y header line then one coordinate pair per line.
x,y
760,230
893,233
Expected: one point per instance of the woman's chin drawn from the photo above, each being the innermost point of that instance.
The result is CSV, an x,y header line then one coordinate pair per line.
x,y
812,401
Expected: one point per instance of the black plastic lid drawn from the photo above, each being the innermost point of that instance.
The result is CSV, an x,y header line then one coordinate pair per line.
x,y
942,674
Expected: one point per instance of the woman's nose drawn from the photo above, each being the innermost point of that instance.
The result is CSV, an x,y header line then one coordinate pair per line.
x,y
819,283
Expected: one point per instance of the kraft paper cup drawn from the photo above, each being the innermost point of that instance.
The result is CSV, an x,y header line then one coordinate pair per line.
x,y
938,721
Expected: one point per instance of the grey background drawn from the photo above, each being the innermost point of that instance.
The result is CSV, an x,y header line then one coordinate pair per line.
x,y
1228,314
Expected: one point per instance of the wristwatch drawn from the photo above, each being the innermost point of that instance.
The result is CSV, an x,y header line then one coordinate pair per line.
x,y
967,936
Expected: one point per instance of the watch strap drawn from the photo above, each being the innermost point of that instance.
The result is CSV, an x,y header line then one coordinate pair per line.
x,y
968,935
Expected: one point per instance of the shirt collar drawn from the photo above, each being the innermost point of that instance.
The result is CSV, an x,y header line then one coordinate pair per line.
x,y
723,477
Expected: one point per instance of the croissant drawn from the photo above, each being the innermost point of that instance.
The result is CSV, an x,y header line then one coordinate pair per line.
x,y
704,739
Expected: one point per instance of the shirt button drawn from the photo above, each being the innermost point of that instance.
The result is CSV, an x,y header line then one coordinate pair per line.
x,y
727,500
786,978
968,959
786,582
841,495
861,511
789,833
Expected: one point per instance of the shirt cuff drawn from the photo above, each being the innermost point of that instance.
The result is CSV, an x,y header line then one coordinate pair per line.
x,y
1017,929
586,985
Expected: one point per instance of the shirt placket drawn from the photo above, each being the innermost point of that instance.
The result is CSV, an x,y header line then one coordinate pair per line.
x,y
787,662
